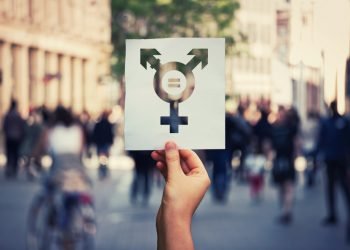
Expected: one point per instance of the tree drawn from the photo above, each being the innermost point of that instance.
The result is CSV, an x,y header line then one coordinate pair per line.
x,y
170,18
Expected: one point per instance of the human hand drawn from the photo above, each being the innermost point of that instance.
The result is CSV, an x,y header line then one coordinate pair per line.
x,y
186,183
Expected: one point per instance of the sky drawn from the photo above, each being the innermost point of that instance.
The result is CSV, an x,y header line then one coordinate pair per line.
x,y
332,22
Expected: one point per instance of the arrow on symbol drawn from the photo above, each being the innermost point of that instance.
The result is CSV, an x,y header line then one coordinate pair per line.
x,y
200,56
148,56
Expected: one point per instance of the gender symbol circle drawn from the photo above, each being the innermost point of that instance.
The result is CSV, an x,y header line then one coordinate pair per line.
x,y
174,82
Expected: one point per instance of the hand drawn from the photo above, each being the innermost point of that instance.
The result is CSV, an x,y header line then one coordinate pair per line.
x,y
186,183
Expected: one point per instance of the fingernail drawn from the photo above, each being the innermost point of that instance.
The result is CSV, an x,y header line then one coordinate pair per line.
x,y
170,145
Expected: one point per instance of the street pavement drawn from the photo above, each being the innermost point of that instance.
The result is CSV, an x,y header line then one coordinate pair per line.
x,y
241,224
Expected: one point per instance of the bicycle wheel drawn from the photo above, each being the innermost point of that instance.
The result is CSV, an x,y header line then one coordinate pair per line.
x,y
83,227
41,224
89,229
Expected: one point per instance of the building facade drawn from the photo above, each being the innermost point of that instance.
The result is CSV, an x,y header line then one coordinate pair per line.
x,y
54,52
305,58
283,62
313,43
251,70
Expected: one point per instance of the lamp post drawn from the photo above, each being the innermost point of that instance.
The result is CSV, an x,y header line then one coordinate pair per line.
x,y
322,101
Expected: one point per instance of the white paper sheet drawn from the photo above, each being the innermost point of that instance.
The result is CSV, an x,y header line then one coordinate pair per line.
x,y
181,80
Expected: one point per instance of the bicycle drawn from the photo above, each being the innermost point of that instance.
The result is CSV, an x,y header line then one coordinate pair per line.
x,y
62,215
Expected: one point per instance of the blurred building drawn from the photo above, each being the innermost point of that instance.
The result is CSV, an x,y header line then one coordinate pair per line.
x,y
251,70
54,52
298,50
296,53
313,42
333,36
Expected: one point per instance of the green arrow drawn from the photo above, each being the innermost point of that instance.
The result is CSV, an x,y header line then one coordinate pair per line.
x,y
200,56
147,56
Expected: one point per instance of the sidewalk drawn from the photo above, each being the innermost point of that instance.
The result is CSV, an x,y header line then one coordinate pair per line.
x,y
238,225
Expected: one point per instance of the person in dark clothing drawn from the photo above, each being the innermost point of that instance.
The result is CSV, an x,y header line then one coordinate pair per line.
x,y
14,130
142,181
103,138
240,137
220,179
230,129
334,144
262,131
32,148
283,136
87,125
221,160
46,115
103,135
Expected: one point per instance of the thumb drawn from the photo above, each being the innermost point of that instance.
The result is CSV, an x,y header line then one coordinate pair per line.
x,y
172,158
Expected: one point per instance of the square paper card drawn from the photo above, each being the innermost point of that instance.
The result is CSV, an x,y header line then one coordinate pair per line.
x,y
175,90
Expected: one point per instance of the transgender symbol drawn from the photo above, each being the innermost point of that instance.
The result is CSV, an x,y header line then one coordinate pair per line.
x,y
174,82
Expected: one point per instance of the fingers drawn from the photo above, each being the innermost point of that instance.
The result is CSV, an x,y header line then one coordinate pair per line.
x,y
160,162
191,160
162,168
184,167
172,159
157,156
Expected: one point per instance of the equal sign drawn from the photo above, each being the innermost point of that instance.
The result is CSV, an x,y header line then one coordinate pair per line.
x,y
174,82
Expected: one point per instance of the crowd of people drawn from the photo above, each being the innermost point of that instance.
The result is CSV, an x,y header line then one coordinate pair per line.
x,y
273,137
255,148
45,132
274,142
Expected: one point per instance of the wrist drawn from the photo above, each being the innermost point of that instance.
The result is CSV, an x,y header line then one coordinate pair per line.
x,y
173,230
172,214
168,216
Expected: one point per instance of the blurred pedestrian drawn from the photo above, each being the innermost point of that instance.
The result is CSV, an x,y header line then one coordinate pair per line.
x,y
240,140
255,166
88,126
262,130
33,148
334,144
103,138
65,141
46,114
221,160
143,177
230,130
283,139
258,153
14,131
65,204
310,132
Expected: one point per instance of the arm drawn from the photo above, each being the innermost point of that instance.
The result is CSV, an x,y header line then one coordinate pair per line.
x,y
186,184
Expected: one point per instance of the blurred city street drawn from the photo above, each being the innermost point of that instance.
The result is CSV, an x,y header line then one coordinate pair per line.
x,y
240,224
79,122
